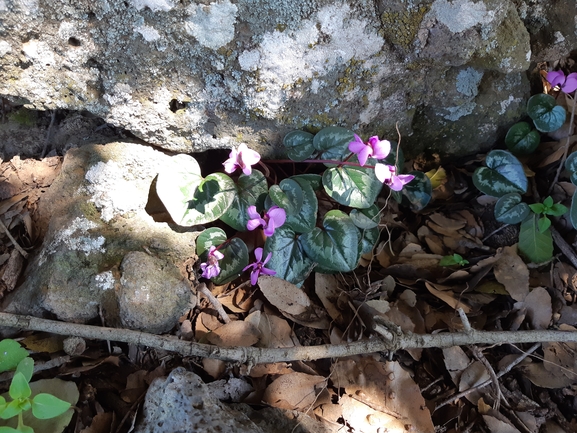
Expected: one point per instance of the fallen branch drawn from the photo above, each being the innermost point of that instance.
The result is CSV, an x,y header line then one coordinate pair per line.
x,y
257,355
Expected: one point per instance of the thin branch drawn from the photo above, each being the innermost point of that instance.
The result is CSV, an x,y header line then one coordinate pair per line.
x,y
214,301
16,245
501,373
564,246
257,355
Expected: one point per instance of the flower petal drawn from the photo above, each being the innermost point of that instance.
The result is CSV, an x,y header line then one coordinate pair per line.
x,y
253,224
382,149
570,83
218,255
252,213
269,255
267,271
364,154
556,78
383,172
357,145
254,276
258,254
277,215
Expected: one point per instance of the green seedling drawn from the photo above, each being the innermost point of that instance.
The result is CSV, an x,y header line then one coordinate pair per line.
x,y
452,260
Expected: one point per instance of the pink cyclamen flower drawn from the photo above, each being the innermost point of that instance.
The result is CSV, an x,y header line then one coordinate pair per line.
x,y
388,175
211,269
258,266
271,220
374,148
243,158
568,84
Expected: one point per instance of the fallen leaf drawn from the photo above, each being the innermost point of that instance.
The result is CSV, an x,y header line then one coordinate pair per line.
x,y
498,426
236,333
295,391
511,271
473,375
293,302
539,309
447,296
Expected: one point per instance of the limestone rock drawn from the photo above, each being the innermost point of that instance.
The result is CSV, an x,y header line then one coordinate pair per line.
x,y
165,71
183,403
97,208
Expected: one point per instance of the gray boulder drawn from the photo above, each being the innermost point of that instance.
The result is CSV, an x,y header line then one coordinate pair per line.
x,y
102,250
193,76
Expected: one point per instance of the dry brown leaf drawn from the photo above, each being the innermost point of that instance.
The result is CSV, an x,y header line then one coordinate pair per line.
x,y
238,300
539,309
276,332
473,375
543,378
512,272
447,223
328,290
293,302
295,391
384,387
278,368
384,255
101,423
447,296
363,418
42,342
498,426
456,361
214,367
236,333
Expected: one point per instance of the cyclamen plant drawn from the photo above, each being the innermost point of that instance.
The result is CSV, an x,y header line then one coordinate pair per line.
x,y
296,238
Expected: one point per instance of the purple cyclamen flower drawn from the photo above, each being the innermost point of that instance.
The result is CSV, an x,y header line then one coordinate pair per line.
x,y
568,84
211,269
375,148
243,158
258,266
388,175
271,220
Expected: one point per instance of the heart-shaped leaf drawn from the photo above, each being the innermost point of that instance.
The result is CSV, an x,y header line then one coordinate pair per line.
x,y
211,237
305,220
509,209
546,114
314,180
504,174
249,190
521,139
176,184
418,192
335,247
288,259
288,195
210,201
534,245
571,164
234,261
299,145
352,186
333,142
366,221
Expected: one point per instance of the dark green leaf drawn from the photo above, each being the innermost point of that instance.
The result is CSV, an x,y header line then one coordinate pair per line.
x,y
352,186
333,142
234,261
249,190
46,406
548,202
11,353
546,114
504,174
573,210
305,220
571,163
418,192
538,208
367,221
535,246
543,224
573,177
288,259
337,245
521,139
557,210
211,237
299,145
314,180
509,209
288,195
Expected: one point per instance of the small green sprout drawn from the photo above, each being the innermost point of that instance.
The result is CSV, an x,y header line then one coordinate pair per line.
x,y
455,259
547,208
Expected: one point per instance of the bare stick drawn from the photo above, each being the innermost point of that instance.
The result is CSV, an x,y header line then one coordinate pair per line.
x,y
18,247
258,355
564,246
48,134
215,302
478,354
501,373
